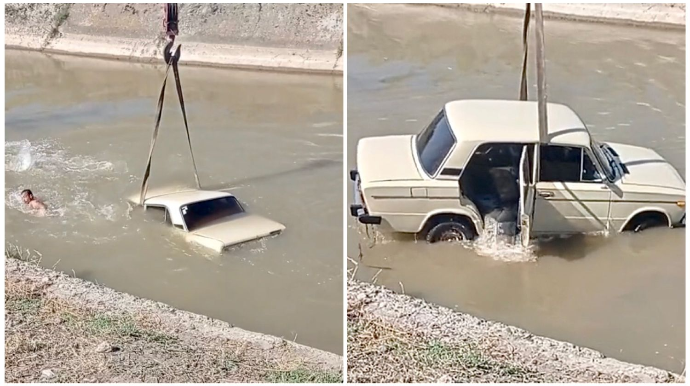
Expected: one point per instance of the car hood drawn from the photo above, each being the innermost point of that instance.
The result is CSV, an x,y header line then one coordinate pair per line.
x,y
235,230
646,167
386,158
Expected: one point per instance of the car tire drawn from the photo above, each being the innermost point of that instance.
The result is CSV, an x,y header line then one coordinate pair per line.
x,y
450,231
646,224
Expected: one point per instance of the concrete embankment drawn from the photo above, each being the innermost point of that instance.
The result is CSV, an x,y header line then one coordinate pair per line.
x,y
397,338
285,37
63,329
648,14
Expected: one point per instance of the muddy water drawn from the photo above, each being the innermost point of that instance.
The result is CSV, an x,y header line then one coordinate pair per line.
x,y
623,295
78,132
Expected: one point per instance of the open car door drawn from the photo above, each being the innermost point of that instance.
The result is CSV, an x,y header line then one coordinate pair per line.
x,y
527,192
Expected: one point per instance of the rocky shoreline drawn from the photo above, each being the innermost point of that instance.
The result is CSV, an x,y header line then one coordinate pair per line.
x,y
397,338
63,329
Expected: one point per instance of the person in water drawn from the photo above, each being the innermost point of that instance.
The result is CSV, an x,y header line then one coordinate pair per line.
x,y
32,202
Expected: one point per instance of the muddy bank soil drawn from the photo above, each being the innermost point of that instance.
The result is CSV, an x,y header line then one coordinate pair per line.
x,y
303,37
396,338
63,329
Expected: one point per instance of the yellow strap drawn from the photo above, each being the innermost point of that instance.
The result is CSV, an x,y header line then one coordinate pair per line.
x,y
523,78
172,62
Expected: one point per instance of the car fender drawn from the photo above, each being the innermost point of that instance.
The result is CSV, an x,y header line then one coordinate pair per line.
x,y
646,209
467,212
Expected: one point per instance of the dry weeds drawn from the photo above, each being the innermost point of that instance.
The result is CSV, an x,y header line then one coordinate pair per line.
x,y
50,337
396,338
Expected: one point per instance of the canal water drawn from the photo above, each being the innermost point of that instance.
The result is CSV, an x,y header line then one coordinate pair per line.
x,y
78,132
623,295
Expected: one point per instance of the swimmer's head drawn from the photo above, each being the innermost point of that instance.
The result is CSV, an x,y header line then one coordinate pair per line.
x,y
27,196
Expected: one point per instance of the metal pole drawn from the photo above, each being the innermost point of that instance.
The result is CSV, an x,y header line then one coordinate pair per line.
x,y
541,74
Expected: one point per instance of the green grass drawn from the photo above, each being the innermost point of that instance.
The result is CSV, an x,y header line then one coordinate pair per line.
x,y
303,376
339,53
125,327
25,305
58,20
437,353
61,15
161,338
107,325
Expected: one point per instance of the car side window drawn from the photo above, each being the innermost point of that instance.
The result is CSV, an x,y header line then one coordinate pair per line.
x,y
589,171
560,163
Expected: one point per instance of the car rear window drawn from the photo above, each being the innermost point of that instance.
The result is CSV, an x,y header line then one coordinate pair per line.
x,y
203,213
434,144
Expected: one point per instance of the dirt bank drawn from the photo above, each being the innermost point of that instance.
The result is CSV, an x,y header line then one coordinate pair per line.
x,y
648,14
287,37
62,329
397,338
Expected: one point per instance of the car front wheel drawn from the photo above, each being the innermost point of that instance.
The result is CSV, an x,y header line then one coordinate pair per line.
x,y
450,232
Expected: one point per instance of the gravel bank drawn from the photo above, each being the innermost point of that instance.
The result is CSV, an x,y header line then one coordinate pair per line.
x,y
62,329
397,338
285,37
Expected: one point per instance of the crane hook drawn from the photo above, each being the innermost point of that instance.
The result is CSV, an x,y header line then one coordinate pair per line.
x,y
170,22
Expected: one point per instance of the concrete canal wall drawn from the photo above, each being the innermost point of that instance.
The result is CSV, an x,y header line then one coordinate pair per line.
x,y
649,14
288,37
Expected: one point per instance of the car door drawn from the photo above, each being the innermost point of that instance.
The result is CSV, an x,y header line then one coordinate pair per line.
x,y
571,197
527,193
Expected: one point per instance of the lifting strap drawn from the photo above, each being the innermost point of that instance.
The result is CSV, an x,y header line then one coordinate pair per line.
x,y
172,61
541,74
541,63
523,78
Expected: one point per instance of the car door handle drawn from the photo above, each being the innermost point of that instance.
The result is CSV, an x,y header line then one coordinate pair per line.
x,y
545,194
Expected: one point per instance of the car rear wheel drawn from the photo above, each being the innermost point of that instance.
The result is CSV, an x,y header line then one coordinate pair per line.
x,y
450,231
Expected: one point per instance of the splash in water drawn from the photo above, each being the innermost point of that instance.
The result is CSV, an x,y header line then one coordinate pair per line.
x,y
43,166
46,157
496,244
18,156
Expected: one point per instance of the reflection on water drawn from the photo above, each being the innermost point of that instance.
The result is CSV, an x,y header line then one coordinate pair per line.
x,y
78,132
623,295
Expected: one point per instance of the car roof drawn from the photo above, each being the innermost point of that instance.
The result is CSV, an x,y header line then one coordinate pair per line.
x,y
514,121
180,198
174,197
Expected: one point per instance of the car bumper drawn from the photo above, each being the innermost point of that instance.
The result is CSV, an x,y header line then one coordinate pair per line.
x,y
358,209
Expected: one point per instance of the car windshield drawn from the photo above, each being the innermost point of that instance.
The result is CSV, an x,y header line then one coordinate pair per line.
x,y
605,159
434,144
203,213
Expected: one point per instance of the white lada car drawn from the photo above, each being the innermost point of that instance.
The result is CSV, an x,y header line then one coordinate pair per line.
x,y
476,160
215,220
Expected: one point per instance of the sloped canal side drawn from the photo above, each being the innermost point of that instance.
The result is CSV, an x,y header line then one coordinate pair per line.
x,y
63,329
397,338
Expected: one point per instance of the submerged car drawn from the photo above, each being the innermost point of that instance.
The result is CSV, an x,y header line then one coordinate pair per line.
x,y
212,219
477,159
